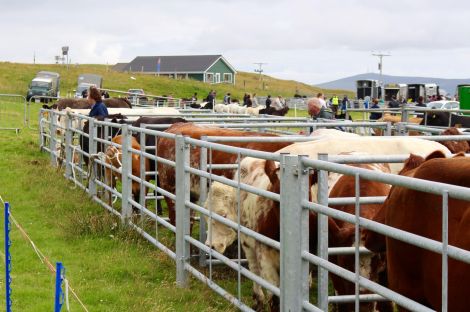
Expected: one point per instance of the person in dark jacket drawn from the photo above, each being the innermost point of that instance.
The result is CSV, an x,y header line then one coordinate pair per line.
x,y
210,100
375,115
393,103
98,109
420,102
268,102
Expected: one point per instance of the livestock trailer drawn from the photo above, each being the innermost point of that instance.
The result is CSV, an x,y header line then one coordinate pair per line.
x,y
398,90
369,88
426,90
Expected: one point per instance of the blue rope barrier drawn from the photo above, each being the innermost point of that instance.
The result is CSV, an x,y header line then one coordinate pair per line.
x,y
59,294
7,258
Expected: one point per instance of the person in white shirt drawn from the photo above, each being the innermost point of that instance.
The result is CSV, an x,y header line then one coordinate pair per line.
x,y
277,104
321,98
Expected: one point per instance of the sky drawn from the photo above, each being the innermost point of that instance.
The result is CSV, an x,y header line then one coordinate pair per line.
x,y
305,40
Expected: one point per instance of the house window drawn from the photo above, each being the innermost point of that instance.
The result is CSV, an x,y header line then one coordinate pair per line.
x,y
228,77
217,77
210,77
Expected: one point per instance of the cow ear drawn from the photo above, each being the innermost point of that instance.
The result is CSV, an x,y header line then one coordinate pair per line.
x,y
272,171
433,116
435,154
460,154
411,163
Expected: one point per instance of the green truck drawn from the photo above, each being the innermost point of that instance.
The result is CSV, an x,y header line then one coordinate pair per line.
x,y
45,84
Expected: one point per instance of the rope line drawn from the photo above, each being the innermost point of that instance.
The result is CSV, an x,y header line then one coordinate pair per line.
x,y
44,259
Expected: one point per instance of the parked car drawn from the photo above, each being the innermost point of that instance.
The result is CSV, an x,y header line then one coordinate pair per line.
x,y
134,94
444,104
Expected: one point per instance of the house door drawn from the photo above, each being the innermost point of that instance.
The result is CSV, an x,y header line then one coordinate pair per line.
x,y
217,77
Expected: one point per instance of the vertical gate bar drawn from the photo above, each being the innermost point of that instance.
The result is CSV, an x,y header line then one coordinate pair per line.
x,y
68,149
142,174
294,189
7,258
445,241
202,200
41,130
182,212
357,240
92,149
239,287
156,192
322,236
126,161
388,129
52,140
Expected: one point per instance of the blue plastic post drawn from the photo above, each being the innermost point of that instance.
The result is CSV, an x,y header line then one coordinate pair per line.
x,y
7,258
59,294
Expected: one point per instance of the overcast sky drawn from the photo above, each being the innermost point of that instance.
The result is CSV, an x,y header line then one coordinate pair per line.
x,y
306,40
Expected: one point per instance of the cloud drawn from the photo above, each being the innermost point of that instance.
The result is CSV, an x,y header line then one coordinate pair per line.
x,y
309,40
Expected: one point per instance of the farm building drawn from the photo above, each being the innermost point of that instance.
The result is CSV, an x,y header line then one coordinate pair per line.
x,y
206,68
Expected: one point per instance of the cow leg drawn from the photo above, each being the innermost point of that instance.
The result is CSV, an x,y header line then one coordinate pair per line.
x,y
268,259
248,245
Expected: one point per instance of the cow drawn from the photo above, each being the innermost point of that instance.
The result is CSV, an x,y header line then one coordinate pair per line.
x,y
413,271
166,149
254,111
455,146
273,111
255,172
150,141
342,234
441,119
114,158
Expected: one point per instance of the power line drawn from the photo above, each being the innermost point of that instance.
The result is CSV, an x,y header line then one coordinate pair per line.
x,y
260,69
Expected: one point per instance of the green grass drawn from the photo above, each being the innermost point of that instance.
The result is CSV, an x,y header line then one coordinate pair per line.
x,y
15,78
110,267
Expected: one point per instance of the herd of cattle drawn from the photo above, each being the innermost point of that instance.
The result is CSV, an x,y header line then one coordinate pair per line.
x,y
409,270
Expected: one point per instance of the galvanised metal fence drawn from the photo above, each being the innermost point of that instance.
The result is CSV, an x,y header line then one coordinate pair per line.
x,y
294,292
11,108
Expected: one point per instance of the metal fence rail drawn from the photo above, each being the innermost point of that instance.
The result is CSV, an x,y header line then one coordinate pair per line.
x,y
177,241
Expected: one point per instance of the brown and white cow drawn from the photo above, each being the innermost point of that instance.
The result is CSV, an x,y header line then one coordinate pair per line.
x,y
255,172
415,272
166,149
114,158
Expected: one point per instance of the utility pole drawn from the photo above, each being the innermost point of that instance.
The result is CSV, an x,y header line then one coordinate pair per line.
x,y
260,71
381,56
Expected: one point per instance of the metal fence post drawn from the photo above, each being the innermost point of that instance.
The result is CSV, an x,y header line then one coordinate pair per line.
x,y
143,173
404,114
59,294
92,149
182,212
126,209
52,143
41,131
322,233
388,129
68,149
202,200
294,233
7,258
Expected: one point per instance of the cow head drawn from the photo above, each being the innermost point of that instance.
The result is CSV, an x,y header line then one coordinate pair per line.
x,y
221,201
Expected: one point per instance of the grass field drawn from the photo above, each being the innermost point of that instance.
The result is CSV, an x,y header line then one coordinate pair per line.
x,y
15,78
110,267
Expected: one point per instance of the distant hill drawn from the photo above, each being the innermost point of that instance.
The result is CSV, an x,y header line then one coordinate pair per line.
x,y
349,83
15,78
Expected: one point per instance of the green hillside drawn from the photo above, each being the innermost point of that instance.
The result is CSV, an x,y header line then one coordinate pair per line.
x,y
15,78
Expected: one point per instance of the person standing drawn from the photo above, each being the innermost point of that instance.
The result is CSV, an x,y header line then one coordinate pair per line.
x,y
268,102
248,102
321,98
227,99
277,104
420,102
375,115
254,100
98,109
335,104
210,100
